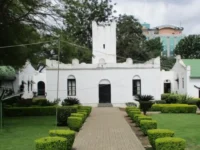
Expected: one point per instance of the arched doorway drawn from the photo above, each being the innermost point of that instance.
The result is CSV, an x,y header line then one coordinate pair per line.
x,y
41,88
167,86
104,91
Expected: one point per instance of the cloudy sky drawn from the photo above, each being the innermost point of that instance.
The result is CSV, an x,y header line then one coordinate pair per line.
x,y
160,12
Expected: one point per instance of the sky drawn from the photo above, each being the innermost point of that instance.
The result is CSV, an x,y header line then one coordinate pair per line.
x,y
185,13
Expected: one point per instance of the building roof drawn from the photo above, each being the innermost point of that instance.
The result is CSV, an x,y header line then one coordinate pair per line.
x,y
7,73
195,67
169,26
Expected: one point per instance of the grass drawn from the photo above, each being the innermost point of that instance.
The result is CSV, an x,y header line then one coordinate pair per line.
x,y
186,126
19,133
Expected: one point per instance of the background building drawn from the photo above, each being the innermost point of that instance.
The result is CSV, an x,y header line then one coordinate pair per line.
x,y
169,35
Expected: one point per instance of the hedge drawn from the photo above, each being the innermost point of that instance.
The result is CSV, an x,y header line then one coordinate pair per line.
x,y
68,134
39,101
158,133
84,113
130,107
87,108
135,117
78,115
51,143
74,123
174,108
140,118
146,125
170,143
133,112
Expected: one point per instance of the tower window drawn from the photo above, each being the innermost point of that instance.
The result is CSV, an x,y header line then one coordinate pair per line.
x,y
104,46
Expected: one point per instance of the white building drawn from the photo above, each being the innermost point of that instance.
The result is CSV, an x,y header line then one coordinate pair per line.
x,y
184,78
103,81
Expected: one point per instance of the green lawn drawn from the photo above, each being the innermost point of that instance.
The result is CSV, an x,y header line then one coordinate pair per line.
x,y
19,133
186,126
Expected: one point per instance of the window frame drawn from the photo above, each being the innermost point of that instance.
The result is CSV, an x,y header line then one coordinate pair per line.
x,y
71,87
135,87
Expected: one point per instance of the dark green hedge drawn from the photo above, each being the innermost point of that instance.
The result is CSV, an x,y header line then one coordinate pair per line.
x,y
51,143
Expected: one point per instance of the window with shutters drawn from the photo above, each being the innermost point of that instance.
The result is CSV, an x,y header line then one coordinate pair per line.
x,y
136,87
71,87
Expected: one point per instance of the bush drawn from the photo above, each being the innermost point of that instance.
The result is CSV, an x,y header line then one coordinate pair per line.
x,y
29,111
174,108
147,125
78,115
40,101
133,112
85,108
140,118
70,101
24,103
63,113
68,134
74,123
158,133
159,102
193,101
130,107
170,143
198,104
136,116
129,104
83,111
51,143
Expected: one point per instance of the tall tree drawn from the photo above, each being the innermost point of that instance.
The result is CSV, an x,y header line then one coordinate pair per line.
x,y
189,47
130,39
153,47
20,21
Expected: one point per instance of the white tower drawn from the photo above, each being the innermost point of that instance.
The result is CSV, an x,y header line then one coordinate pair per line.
x,y
104,42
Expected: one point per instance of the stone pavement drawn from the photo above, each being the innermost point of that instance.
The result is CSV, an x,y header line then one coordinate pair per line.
x,y
106,129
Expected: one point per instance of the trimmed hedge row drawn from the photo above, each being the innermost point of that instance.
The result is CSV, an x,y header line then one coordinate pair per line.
x,y
75,123
51,143
160,139
174,108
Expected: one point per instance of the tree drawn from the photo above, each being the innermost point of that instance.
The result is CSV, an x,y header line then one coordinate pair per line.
x,y
153,47
78,17
189,47
167,63
20,22
130,39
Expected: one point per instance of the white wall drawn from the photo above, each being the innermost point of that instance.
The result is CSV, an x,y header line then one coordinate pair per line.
x,y
87,82
192,91
104,34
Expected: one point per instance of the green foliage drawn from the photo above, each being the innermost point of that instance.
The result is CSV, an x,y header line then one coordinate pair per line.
x,y
129,104
136,116
78,115
144,98
83,113
153,47
86,108
7,73
140,118
29,111
147,125
130,107
51,143
198,104
167,63
74,123
63,113
68,134
188,47
70,101
174,108
133,112
40,101
158,133
170,143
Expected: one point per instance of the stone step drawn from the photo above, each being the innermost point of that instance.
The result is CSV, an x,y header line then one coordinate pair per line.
x,y
105,105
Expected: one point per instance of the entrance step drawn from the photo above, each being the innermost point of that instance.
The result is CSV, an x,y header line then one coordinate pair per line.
x,y
105,105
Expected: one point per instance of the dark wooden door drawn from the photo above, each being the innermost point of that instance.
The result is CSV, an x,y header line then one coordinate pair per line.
x,y
104,93
167,87
41,88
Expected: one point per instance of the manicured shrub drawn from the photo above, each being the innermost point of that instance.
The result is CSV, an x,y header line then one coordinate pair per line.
x,y
174,108
83,112
129,107
51,143
158,133
70,101
68,134
78,115
131,104
133,112
63,113
88,108
132,109
170,143
135,117
74,123
146,125
140,118
159,102
40,101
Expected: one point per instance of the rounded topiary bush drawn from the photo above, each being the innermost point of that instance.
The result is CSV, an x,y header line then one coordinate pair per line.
x,y
142,118
147,125
170,143
51,143
68,134
158,133
74,123
78,115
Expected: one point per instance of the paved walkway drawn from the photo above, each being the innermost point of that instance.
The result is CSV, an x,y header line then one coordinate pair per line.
x,y
106,129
